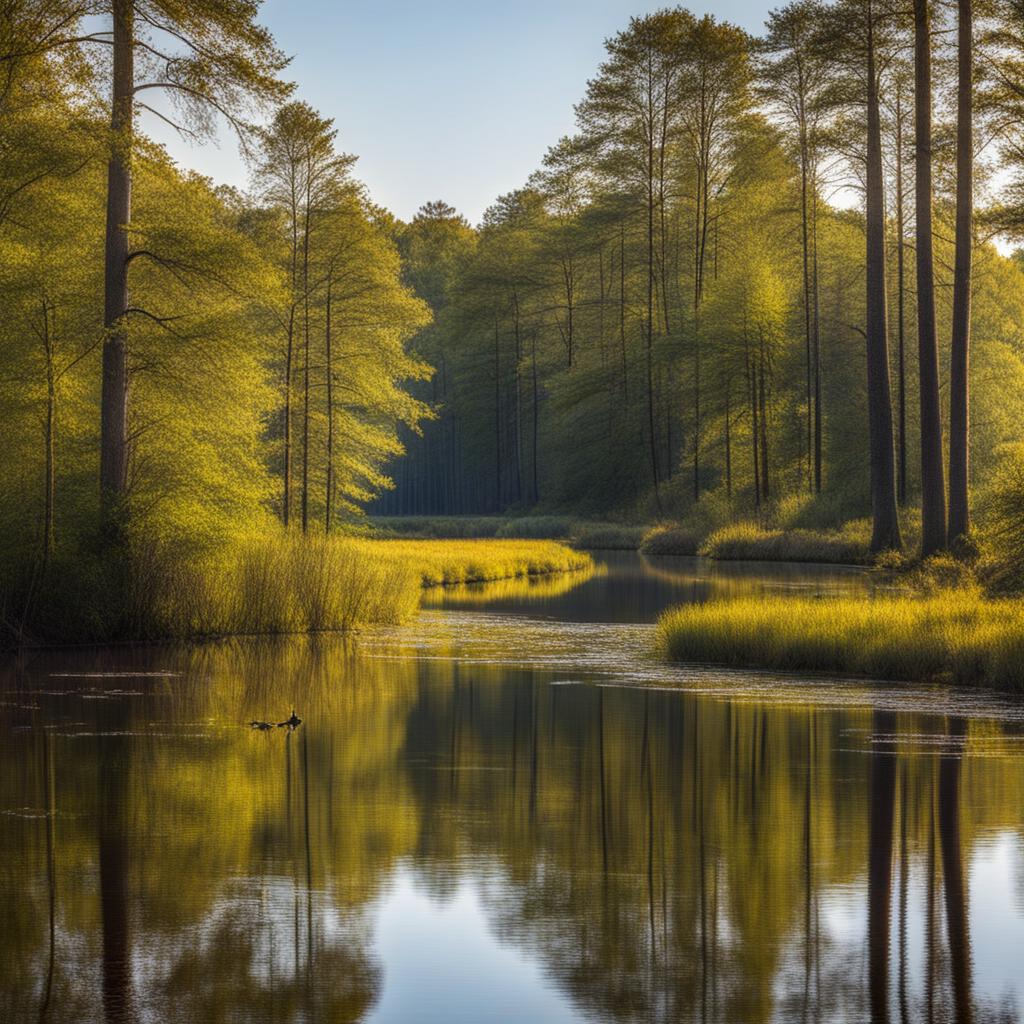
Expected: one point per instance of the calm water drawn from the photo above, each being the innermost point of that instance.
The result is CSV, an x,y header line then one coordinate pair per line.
x,y
505,812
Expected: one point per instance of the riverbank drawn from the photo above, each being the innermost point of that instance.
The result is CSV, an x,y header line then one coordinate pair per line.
x,y
950,636
740,540
258,585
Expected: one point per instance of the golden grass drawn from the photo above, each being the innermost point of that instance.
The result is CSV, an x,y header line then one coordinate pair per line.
x,y
746,540
266,583
449,562
952,636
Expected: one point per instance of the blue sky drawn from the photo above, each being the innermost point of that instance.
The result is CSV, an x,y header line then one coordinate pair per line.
x,y
449,100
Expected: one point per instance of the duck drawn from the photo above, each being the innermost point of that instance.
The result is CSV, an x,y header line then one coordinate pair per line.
x,y
262,726
293,722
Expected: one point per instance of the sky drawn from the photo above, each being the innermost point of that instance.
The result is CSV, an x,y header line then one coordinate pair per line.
x,y
454,100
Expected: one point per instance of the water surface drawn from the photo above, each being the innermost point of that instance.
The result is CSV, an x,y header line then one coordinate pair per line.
x,y
506,811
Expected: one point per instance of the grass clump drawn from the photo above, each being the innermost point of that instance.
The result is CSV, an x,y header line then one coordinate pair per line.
x,y
670,540
254,585
959,637
847,545
448,563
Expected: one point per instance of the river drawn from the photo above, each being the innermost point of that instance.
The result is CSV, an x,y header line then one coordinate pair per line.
x,y
507,810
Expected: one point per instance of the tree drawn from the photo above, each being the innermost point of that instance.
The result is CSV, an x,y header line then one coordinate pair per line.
x,y
933,489
299,172
855,36
795,78
959,379
211,59
629,115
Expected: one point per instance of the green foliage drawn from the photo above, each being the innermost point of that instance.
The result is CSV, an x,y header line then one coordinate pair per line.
x,y
211,298
447,527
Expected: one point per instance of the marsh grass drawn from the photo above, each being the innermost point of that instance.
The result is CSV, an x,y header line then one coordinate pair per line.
x,y
847,545
447,563
520,588
261,584
955,636
537,527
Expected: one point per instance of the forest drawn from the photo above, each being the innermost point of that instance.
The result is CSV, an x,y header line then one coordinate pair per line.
x,y
769,277
769,283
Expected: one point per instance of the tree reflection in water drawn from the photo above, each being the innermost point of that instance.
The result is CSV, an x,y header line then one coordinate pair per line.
x,y
663,856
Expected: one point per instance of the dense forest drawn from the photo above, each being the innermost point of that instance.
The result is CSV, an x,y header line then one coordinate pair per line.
x,y
753,276
704,303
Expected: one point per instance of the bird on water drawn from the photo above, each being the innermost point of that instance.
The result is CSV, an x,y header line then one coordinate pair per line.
x,y
291,723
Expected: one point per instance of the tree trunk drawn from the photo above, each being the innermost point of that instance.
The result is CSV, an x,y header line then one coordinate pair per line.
x,y
650,322
329,487
817,350
535,413
805,245
287,470
114,399
933,490
957,918
882,801
728,440
305,361
763,418
51,403
886,526
959,384
901,459
517,399
752,388
497,419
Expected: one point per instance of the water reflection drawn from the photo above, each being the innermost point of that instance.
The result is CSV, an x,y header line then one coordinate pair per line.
x,y
631,588
455,840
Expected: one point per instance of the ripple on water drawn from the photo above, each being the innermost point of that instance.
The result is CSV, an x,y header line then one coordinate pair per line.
x,y
621,654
